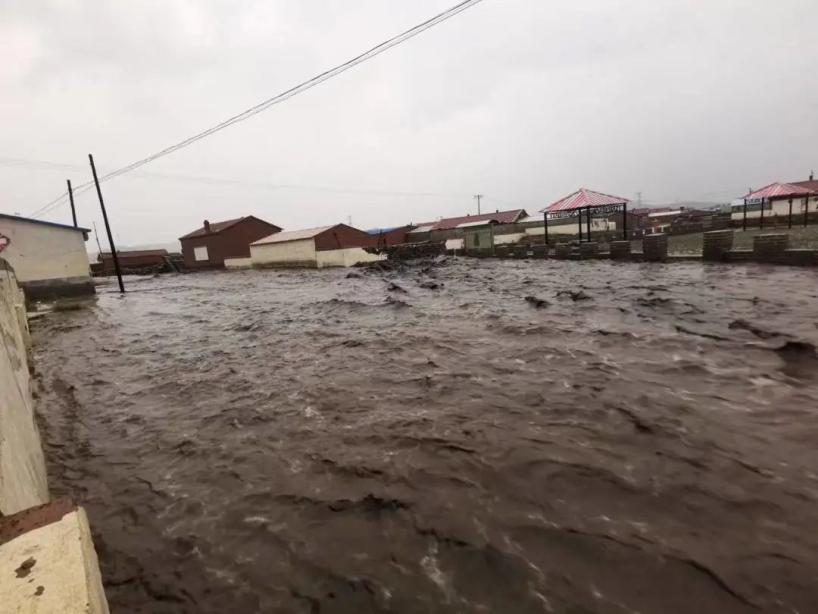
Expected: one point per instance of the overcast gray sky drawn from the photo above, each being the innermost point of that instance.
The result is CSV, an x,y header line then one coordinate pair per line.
x,y
522,100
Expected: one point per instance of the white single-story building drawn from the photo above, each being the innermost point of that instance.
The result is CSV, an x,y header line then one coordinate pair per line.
x,y
326,246
49,259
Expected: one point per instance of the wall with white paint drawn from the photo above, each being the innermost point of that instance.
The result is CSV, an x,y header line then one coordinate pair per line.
x,y
349,256
39,252
288,253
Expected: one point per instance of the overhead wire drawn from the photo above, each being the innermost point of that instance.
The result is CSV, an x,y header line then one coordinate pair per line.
x,y
265,104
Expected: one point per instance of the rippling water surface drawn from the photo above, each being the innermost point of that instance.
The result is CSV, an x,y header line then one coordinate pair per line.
x,y
428,440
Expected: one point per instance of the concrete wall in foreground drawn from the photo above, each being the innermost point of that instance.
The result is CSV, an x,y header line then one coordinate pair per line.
x,y
22,466
47,557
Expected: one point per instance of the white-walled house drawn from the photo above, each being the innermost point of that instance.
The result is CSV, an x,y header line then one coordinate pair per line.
x,y
326,246
49,259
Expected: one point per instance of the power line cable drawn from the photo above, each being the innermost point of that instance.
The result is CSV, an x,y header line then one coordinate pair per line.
x,y
287,94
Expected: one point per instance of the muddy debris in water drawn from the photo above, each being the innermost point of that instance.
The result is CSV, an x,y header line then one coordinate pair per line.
x,y
574,295
538,303
752,328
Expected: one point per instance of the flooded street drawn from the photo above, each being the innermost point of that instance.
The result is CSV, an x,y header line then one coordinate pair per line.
x,y
431,440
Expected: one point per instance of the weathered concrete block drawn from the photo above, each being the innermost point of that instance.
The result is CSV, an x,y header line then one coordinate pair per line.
x,y
22,466
736,255
716,244
588,250
48,562
770,247
539,251
563,250
654,247
620,250
800,257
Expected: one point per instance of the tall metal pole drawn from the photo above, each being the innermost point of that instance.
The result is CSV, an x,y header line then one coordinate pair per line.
x,y
478,197
107,225
624,221
545,225
579,217
588,222
71,198
761,219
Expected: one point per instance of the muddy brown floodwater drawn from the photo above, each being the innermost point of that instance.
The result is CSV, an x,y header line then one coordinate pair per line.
x,y
430,440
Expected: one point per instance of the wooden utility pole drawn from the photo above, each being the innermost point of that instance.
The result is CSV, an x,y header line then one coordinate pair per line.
x,y
96,236
478,197
71,198
107,226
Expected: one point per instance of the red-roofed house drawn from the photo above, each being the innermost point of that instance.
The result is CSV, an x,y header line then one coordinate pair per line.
x,y
209,246
498,217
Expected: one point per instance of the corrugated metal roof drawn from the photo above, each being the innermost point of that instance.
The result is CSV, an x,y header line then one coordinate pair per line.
x,y
215,227
811,184
778,190
584,198
501,217
20,218
294,235
472,224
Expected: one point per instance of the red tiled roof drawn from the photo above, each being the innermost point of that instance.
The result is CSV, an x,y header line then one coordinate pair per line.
x,y
215,228
778,190
584,198
501,217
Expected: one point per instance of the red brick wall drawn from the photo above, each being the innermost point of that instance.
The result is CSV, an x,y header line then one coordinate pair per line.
x,y
233,242
342,236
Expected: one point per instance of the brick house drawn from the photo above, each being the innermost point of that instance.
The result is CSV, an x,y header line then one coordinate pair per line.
x,y
209,246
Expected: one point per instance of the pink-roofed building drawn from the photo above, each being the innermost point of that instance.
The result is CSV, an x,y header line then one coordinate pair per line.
x,y
583,198
775,202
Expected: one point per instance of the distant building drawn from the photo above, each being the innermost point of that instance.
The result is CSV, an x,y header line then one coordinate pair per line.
x,y
129,260
452,227
386,237
49,259
326,246
212,244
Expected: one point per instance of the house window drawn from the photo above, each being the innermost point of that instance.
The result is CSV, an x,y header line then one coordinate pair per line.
x,y
477,239
200,253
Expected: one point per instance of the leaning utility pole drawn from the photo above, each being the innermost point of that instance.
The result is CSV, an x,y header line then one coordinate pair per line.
x,y
71,198
96,236
478,197
107,226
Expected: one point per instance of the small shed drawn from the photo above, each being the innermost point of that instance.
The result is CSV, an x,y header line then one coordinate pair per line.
x,y
49,259
478,236
209,246
325,246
